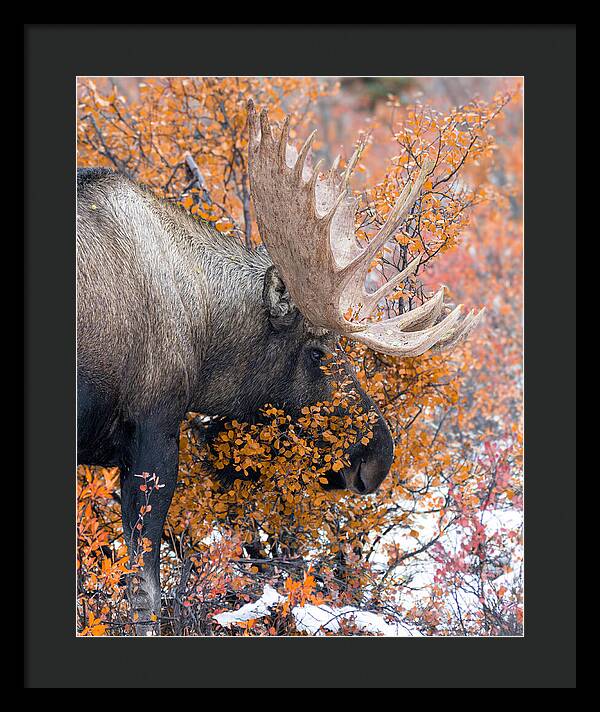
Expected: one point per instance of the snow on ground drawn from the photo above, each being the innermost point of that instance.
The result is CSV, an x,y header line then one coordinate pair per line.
x,y
249,611
316,619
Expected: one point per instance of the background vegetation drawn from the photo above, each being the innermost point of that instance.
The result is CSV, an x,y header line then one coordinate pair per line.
x,y
438,549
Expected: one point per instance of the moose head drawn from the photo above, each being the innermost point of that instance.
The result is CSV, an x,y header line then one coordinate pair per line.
x,y
314,290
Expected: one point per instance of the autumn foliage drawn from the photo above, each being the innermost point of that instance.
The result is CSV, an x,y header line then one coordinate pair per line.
x,y
438,548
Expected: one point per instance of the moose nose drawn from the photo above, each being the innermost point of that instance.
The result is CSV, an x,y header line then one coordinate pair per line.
x,y
365,476
370,465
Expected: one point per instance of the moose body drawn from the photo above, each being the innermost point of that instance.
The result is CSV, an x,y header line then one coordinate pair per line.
x,y
173,316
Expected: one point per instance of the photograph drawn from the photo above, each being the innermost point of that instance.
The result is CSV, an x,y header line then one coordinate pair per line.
x,y
299,356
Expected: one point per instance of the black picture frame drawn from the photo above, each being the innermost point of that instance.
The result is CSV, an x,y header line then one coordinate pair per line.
x,y
53,56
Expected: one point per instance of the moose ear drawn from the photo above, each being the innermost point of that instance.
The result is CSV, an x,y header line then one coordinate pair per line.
x,y
276,298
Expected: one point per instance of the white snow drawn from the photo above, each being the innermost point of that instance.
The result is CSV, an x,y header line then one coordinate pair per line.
x,y
315,619
258,609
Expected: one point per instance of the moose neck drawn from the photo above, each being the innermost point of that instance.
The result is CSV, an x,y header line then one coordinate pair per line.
x,y
231,324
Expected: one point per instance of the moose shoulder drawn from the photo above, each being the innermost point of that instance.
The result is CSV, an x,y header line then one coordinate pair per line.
x,y
173,316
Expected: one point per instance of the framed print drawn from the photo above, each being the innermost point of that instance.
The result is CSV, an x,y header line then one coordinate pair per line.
x,y
295,402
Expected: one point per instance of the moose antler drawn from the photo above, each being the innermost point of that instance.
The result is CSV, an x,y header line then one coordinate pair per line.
x,y
307,224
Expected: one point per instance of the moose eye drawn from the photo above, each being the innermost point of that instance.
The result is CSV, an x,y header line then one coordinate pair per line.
x,y
316,356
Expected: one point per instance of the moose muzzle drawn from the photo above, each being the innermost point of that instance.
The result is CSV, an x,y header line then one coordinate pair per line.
x,y
370,464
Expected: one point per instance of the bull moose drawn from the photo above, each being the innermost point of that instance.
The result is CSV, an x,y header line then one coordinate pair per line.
x,y
173,316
